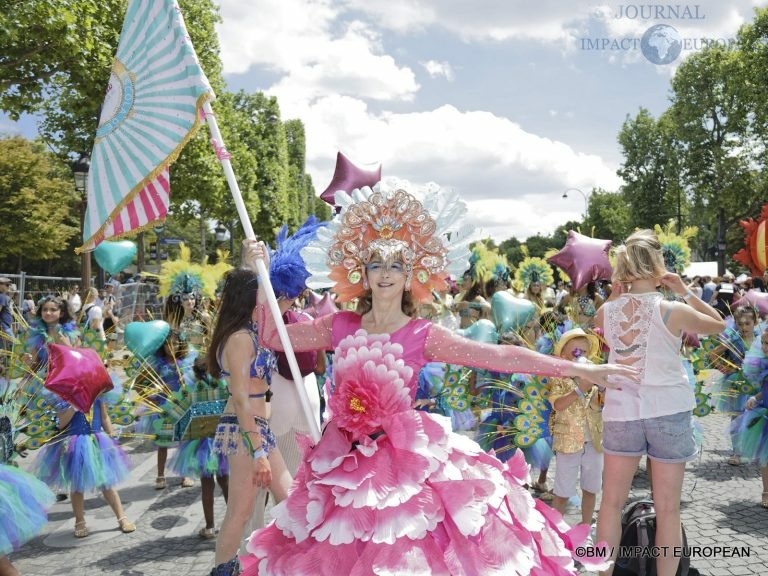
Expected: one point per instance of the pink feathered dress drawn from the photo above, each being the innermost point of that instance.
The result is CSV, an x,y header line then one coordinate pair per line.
x,y
392,490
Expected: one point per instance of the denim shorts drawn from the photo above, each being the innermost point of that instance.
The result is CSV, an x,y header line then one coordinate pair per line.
x,y
666,438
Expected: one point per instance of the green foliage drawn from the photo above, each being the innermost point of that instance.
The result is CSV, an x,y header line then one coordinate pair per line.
x,y
609,216
38,204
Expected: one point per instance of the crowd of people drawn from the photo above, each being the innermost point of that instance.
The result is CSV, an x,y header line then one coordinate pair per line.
x,y
418,384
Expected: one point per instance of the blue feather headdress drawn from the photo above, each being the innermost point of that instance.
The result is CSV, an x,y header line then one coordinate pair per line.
x,y
287,270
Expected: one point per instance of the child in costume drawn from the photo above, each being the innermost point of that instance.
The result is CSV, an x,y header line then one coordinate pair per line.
x,y
750,430
727,357
197,459
577,428
24,501
390,488
84,459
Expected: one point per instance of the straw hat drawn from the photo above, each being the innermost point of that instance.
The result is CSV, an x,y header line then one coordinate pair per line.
x,y
594,341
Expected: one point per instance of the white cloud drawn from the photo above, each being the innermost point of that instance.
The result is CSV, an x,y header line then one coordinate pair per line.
x,y
436,69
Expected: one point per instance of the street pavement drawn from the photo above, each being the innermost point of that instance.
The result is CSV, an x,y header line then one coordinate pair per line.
x,y
721,507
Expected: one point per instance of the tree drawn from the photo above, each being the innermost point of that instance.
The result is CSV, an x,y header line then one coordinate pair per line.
x,y
711,121
652,190
609,216
38,201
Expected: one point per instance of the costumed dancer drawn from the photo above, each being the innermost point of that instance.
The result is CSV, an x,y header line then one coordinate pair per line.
x,y
243,433
197,459
390,489
750,430
24,500
85,458
731,390
184,284
577,428
82,458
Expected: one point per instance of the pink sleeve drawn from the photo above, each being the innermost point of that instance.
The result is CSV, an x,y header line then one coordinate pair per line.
x,y
304,336
442,345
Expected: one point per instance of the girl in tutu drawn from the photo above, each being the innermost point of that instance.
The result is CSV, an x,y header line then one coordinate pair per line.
x,y
197,459
750,430
727,358
85,458
389,489
24,502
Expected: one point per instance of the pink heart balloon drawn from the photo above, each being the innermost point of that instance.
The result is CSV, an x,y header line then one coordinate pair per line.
x,y
509,312
755,299
584,259
77,375
347,177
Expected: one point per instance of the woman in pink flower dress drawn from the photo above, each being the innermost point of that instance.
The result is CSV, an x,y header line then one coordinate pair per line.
x,y
389,489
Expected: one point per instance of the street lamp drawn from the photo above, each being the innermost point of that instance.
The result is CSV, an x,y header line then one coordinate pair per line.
x,y
224,233
80,168
585,196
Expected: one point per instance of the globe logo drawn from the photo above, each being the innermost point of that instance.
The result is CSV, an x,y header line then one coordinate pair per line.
x,y
661,44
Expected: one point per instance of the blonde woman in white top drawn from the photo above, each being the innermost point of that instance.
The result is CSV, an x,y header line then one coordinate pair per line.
x,y
654,416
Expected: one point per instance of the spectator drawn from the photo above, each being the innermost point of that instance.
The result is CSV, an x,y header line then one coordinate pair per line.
x,y
6,317
708,289
725,293
73,300
28,308
562,292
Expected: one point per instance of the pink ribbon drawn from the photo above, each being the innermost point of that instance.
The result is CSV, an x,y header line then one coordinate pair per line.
x,y
221,150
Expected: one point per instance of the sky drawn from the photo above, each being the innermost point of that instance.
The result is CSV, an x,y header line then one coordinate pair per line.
x,y
509,102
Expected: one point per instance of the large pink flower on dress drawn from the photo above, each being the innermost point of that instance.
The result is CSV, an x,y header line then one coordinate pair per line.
x,y
371,383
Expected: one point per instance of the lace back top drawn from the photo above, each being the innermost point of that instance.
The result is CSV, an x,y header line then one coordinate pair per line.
x,y
638,336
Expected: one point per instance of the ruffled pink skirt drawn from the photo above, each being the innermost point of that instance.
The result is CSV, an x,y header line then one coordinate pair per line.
x,y
417,500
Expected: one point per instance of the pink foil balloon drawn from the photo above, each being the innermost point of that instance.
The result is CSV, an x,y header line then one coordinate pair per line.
x,y
77,375
756,299
325,306
347,177
584,259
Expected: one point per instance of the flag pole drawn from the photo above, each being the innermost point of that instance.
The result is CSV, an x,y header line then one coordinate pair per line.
x,y
266,284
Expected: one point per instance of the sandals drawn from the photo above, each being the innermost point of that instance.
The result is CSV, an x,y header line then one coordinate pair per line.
x,y
764,502
734,460
187,483
540,486
126,526
160,483
207,533
81,530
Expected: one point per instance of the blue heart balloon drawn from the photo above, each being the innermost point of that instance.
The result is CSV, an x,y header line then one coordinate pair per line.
x,y
481,331
114,256
145,338
510,312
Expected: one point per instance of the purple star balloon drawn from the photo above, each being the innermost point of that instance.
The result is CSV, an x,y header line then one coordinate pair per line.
x,y
584,259
347,177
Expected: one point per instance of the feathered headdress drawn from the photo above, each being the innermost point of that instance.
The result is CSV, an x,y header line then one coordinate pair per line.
x,y
184,277
287,270
674,247
485,263
424,227
533,269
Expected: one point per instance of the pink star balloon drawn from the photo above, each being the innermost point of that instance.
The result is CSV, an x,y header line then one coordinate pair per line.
x,y
347,177
584,259
755,299
77,375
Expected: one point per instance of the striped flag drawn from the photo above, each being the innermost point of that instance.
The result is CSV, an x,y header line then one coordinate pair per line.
x,y
150,112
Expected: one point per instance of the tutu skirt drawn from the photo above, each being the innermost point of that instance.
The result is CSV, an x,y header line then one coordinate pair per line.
x,y
24,501
196,459
750,435
728,396
82,463
418,500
